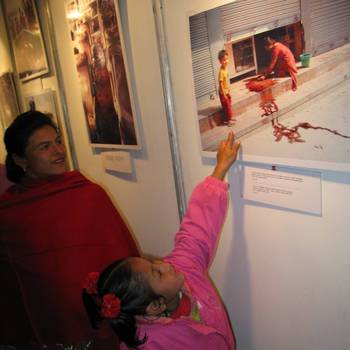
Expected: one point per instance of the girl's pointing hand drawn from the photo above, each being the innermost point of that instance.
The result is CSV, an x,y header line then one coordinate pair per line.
x,y
226,156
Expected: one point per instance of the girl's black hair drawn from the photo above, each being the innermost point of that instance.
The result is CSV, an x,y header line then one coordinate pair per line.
x,y
134,293
16,139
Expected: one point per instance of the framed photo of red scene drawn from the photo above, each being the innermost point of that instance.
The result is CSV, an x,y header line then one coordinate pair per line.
x,y
286,93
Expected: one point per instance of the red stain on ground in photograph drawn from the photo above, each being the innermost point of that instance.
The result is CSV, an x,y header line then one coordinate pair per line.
x,y
269,107
259,85
293,135
268,103
280,131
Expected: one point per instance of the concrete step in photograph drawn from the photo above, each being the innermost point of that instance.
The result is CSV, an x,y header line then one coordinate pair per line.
x,y
255,108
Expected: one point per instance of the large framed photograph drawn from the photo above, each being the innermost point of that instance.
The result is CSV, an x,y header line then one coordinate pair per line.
x,y
26,39
8,100
100,58
287,92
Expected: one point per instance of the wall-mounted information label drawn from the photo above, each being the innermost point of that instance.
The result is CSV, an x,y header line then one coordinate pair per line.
x,y
283,189
117,161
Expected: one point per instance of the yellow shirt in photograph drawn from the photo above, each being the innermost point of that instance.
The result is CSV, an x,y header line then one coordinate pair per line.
x,y
223,78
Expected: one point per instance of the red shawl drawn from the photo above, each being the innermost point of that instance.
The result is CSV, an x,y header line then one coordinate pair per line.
x,y
52,234
4,183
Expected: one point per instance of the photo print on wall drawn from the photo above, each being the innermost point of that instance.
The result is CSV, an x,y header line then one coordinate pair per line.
x,y
26,39
102,72
252,74
8,100
45,102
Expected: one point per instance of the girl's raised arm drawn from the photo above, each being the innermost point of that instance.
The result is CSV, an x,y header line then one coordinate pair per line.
x,y
196,240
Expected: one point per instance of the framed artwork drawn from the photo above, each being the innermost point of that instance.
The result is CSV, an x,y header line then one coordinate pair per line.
x,y
101,67
8,100
26,39
307,126
44,102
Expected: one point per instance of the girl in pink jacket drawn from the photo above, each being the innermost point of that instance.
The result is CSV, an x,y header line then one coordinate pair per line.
x,y
171,304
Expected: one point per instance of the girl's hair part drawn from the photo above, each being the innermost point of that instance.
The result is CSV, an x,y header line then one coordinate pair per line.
x,y
16,139
134,293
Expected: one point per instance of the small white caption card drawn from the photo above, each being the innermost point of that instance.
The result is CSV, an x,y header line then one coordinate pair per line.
x,y
119,161
283,189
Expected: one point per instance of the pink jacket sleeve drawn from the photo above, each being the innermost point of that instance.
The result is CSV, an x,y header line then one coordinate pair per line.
x,y
213,341
196,240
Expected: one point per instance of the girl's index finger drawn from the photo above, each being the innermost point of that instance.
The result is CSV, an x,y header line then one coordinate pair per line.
x,y
230,139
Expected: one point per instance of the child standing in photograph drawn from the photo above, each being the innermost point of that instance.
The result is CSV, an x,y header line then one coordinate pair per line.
x,y
171,304
224,86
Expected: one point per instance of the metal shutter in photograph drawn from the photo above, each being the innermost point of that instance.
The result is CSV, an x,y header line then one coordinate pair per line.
x,y
254,16
203,72
330,24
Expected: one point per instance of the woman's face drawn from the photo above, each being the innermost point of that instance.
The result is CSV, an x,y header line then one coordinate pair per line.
x,y
44,155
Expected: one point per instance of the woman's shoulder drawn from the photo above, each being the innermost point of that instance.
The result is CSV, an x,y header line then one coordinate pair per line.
x,y
74,176
30,189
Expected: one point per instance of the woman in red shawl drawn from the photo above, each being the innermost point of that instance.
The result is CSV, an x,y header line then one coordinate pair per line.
x,y
55,227
282,61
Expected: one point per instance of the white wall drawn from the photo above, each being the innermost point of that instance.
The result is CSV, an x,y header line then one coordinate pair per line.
x,y
284,276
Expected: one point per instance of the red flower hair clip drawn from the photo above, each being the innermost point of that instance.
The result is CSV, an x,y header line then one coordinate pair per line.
x,y
109,303
90,283
110,307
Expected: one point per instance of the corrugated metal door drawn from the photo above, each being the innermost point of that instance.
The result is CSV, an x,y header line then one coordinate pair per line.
x,y
330,24
203,72
255,16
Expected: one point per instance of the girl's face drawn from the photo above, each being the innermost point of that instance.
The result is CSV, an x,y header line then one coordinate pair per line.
x,y
161,276
44,155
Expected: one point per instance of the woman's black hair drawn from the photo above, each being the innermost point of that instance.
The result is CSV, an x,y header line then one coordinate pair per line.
x,y
16,139
134,293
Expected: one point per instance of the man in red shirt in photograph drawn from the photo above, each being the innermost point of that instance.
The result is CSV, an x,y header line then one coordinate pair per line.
x,y
282,61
